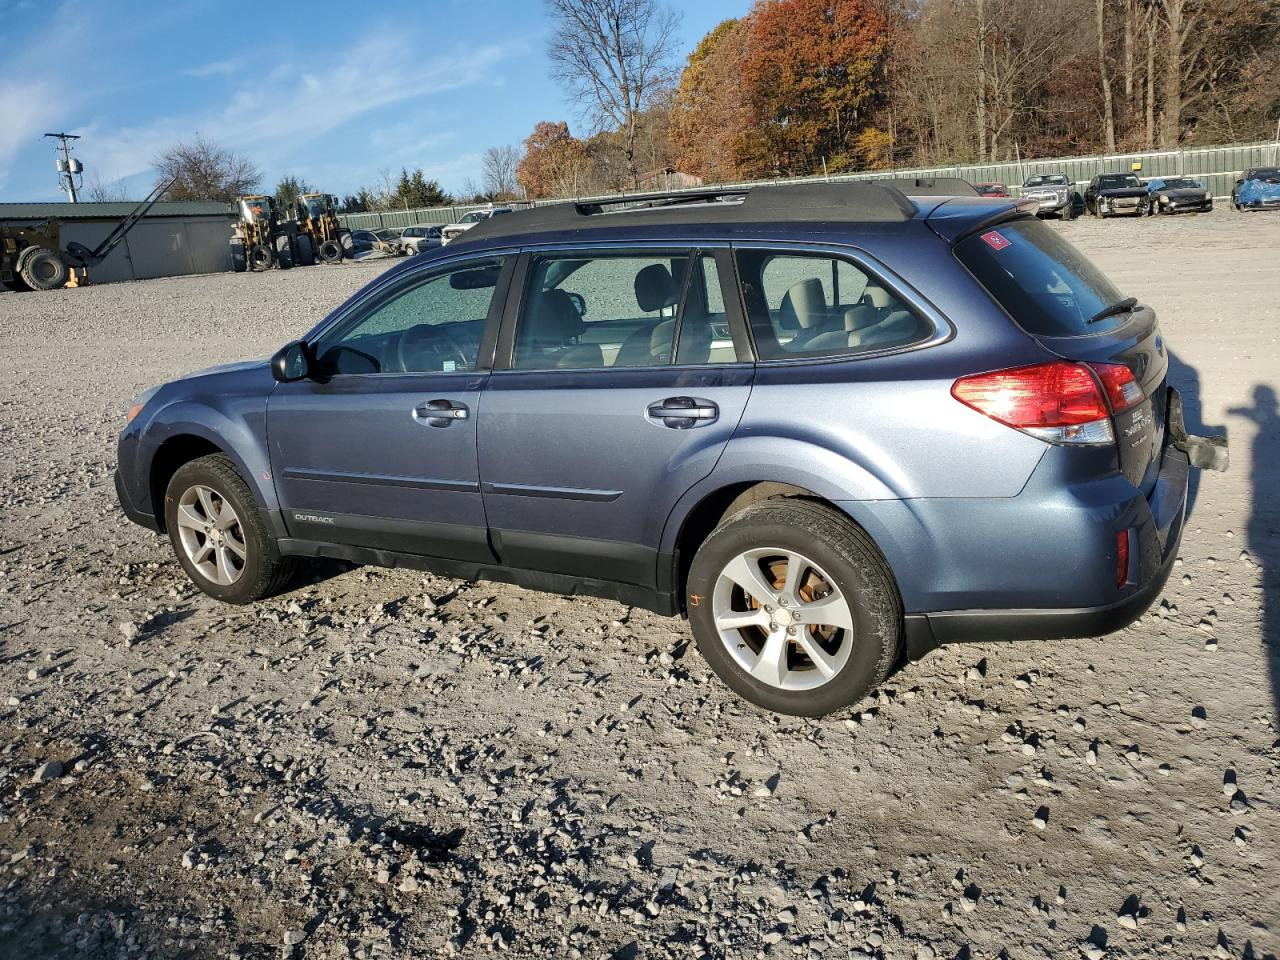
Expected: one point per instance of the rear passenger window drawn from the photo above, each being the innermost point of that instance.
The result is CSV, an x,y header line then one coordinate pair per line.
x,y
611,310
812,305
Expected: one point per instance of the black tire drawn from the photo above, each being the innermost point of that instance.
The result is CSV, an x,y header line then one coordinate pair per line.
x,y
344,241
1069,211
306,251
284,252
260,258
43,269
239,258
331,251
847,556
264,571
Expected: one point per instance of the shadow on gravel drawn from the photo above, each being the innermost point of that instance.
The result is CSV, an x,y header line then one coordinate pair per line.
x,y
1264,521
1186,380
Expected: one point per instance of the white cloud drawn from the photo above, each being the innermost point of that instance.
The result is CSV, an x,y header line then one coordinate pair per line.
x,y
271,119
218,68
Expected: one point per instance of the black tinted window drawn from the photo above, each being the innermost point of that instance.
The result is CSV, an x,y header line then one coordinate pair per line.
x,y
815,305
1048,286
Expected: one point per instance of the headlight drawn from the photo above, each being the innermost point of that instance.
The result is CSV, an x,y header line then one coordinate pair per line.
x,y
1164,201
140,401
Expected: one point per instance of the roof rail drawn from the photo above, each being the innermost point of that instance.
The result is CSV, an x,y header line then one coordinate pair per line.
x,y
847,202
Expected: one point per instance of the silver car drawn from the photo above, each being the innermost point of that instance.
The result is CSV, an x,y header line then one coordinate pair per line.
x,y
420,238
1055,193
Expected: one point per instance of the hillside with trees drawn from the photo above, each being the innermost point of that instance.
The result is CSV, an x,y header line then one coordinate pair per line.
x,y
799,87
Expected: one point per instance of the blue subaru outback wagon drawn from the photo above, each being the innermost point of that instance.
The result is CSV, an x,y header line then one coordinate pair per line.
x,y
831,424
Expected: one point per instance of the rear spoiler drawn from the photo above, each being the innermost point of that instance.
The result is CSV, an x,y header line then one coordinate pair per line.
x,y
958,217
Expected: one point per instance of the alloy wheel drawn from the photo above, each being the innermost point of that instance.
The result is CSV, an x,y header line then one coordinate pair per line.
x,y
783,619
211,535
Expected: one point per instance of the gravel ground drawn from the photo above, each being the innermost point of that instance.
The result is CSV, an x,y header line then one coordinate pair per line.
x,y
382,763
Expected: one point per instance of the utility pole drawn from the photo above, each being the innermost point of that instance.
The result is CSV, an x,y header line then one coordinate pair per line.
x,y
68,167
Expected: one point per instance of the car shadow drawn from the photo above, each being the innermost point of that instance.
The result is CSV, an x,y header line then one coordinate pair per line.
x,y
1186,380
1264,519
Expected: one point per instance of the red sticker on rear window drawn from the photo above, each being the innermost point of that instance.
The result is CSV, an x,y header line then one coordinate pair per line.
x,y
996,240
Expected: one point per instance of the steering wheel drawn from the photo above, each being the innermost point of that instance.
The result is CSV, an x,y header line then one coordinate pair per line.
x,y
425,348
579,302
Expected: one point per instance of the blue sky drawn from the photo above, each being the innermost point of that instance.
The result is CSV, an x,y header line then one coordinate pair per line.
x,y
332,92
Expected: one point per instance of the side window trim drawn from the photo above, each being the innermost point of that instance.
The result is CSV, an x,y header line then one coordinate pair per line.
x,y
874,269
382,293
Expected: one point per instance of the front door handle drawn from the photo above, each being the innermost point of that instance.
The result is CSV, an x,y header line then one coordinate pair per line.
x,y
682,413
440,413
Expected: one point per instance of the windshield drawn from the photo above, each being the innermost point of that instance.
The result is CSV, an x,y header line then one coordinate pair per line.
x,y
385,234
1048,180
987,189
315,206
1180,183
1263,173
475,216
1119,180
1048,286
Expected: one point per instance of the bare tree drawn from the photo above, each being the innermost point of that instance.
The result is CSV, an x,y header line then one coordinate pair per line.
x,y
614,56
103,191
1108,108
498,166
202,170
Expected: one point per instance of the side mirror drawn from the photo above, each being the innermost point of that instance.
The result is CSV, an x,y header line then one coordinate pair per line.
x,y
291,362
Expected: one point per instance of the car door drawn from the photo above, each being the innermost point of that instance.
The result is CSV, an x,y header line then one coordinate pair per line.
x,y
378,447
1091,195
619,377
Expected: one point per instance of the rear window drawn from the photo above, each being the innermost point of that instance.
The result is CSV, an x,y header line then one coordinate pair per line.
x,y
1048,286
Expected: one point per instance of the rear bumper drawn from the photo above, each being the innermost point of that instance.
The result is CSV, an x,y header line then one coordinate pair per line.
x,y
1156,532
1055,541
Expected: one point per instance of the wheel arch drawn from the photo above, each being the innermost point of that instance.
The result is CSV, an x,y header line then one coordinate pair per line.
x,y
712,507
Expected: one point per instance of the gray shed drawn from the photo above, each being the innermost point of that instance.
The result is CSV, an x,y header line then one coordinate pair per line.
x,y
174,238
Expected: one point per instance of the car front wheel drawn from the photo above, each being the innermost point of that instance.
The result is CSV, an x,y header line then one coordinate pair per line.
x,y
793,607
218,534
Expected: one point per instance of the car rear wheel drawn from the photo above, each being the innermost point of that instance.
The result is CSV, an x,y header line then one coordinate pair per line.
x,y
218,534
793,607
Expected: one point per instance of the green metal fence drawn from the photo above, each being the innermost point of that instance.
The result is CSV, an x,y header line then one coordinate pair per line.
x,y
1217,167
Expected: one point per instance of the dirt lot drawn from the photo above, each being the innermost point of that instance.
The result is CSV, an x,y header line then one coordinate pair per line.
x,y
389,764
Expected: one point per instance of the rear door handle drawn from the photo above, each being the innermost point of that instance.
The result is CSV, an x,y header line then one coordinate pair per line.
x,y
682,413
440,413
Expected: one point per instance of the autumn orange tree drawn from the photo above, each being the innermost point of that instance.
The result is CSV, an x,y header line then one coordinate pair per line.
x,y
813,73
710,114
554,163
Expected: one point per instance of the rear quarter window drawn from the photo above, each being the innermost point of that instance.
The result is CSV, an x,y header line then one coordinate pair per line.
x,y
1045,284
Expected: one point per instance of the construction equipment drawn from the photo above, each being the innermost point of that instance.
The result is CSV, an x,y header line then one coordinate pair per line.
x,y
32,258
317,217
255,244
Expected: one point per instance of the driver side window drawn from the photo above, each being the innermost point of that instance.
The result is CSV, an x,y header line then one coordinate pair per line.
x,y
430,324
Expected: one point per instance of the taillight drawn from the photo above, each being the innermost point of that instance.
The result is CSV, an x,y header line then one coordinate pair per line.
x,y
1123,389
1060,402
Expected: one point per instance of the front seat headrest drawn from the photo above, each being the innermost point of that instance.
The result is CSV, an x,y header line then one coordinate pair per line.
x,y
655,290
804,305
876,296
555,319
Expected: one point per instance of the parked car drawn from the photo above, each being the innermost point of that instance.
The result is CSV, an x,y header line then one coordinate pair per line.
x,y
1178,195
991,189
735,408
454,230
383,240
1112,193
1054,192
420,238
1257,189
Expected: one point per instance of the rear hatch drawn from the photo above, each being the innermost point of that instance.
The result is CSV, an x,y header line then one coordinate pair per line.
x,y
1057,296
